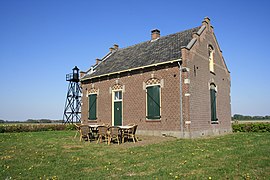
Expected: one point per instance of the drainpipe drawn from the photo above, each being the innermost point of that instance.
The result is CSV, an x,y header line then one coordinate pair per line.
x,y
181,100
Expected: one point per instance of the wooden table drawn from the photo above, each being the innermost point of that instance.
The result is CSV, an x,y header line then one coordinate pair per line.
x,y
122,129
93,125
125,127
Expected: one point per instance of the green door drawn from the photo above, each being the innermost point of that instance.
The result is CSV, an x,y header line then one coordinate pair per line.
x,y
118,113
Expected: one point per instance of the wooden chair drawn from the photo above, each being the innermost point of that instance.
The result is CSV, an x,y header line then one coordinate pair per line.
x,y
102,132
84,132
130,133
77,130
114,132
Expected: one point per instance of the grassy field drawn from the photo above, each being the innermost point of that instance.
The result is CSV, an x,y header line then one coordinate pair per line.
x,y
56,155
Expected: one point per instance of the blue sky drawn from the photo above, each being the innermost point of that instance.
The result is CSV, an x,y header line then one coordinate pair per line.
x,y
41,41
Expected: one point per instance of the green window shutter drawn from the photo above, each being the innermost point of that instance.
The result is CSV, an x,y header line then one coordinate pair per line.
x,y
92,107
153,102
213,105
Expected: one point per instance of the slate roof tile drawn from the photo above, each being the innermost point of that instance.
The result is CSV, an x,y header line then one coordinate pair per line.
x,y
166,48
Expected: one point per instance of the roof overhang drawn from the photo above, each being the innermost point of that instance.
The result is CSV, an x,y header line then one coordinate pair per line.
x,y
132,69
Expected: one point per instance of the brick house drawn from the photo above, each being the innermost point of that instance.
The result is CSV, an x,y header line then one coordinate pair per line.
x,y
177,85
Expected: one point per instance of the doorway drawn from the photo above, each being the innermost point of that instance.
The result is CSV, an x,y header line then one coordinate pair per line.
x,y
117,108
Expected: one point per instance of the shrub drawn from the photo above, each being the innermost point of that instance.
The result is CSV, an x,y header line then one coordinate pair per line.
x,y
251,127
35,127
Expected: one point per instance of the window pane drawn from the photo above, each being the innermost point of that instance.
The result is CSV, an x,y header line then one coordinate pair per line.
x,y
117,95
120,95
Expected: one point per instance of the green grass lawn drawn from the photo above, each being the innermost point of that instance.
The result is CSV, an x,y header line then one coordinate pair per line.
x,y
56,155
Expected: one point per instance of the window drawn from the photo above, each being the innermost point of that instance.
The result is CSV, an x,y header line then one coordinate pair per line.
x,y
211,58
153,102
92,100
117,95
213,95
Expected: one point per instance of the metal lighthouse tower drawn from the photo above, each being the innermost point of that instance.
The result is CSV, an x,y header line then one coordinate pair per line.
x,y
72,111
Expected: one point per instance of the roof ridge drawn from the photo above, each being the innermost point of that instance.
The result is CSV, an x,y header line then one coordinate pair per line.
x,y
161,37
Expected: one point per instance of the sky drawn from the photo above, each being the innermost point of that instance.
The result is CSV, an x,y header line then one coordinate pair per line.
x,y
41,41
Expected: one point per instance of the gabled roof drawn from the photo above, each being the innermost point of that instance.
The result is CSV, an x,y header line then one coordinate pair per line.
x,y
165,48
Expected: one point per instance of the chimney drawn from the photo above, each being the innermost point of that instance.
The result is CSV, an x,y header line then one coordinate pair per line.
x,y
155,34
206,22
115,46
98,61
82,73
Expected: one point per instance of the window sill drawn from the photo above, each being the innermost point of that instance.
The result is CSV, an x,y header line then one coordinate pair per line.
x,y
153,120
214,122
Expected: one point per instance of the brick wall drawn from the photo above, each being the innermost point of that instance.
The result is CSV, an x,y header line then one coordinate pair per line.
x,y
199,88
134,98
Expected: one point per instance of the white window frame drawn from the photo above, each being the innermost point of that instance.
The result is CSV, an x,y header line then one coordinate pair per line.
x,y
118,100
211,58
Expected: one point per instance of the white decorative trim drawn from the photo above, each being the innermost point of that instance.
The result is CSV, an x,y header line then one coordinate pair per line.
x,y
187,81
191,43
187,94
117,87
144,86
201,30
162,83
93,90
110,90
152,81
123,88
212,82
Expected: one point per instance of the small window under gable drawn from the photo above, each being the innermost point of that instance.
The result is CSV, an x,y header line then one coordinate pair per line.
x,y
211,58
